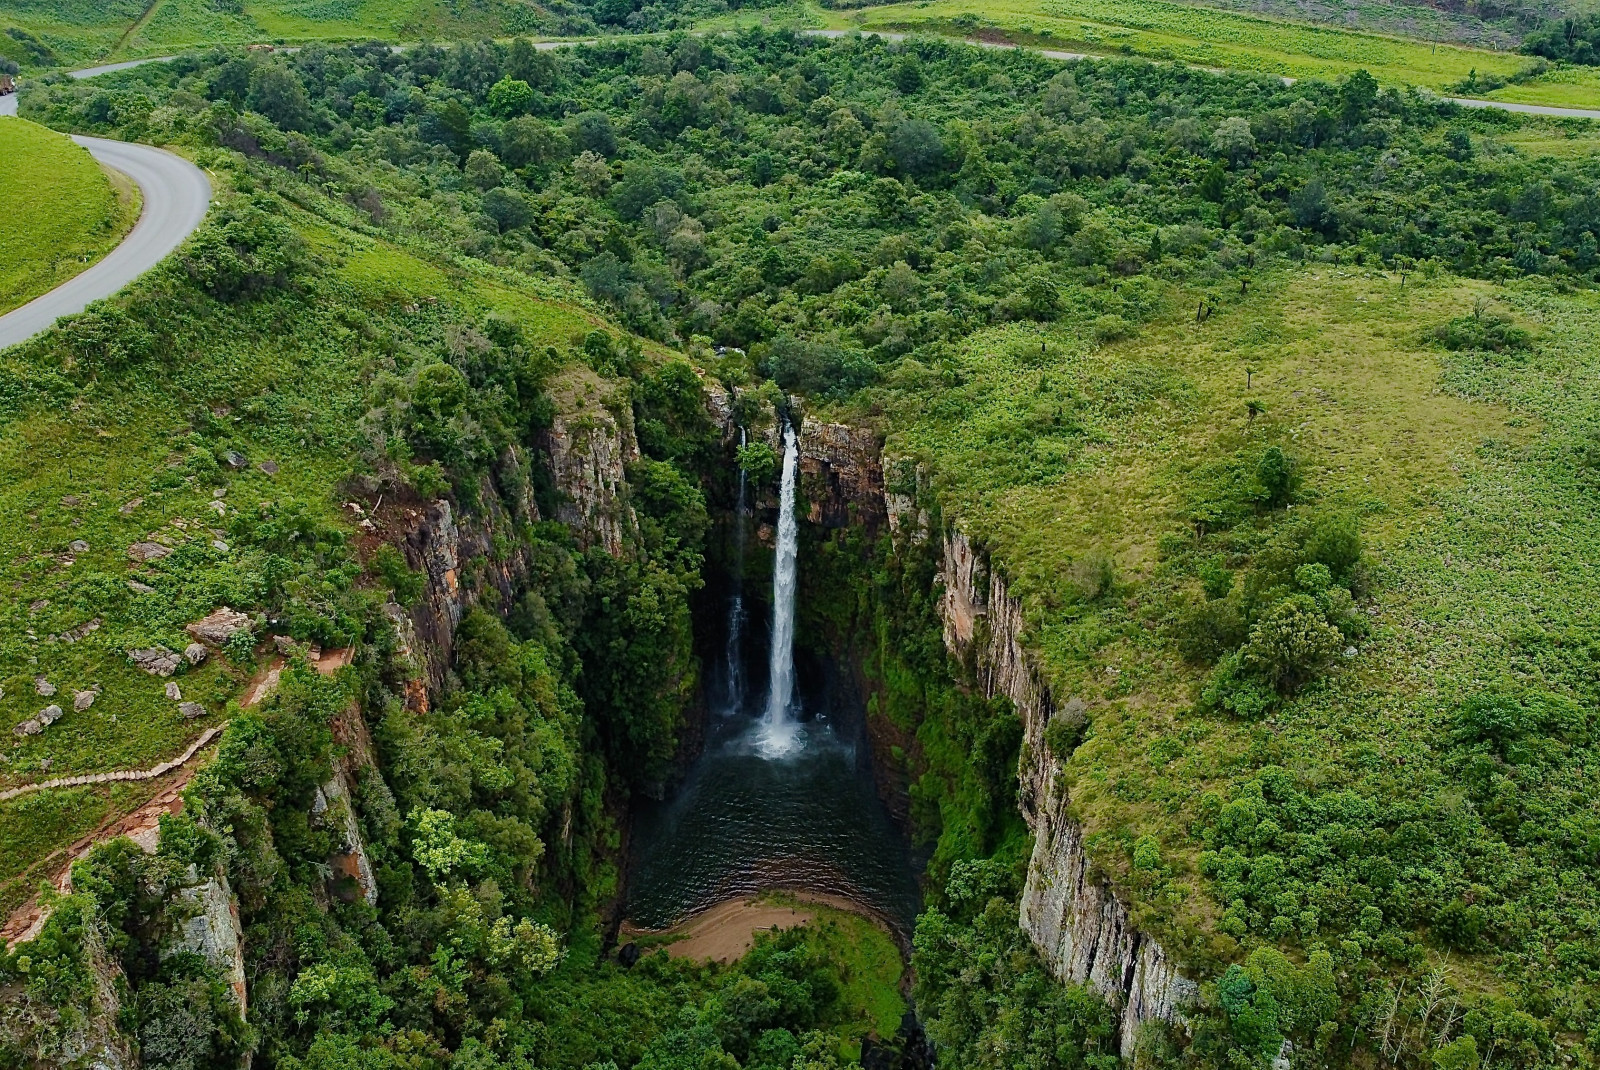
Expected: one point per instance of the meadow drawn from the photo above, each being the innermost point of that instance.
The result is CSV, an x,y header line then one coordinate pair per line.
x,y
76,33
45,240
1225,40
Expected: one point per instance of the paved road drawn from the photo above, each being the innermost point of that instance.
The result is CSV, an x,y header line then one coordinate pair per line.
x,y
91,72
176,194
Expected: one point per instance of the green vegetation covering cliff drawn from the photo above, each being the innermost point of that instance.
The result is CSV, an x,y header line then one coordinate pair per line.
x,y
1265,401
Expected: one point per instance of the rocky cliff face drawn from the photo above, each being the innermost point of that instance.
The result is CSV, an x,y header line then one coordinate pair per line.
x,y
334,807
1082,930
1084,933
842,476
841,469
211,930
589,453
463,555
91,1038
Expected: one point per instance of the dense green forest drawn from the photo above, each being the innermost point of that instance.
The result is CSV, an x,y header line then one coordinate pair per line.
x,y
902,234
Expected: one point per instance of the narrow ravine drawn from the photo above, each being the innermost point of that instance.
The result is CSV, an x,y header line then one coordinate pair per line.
x,y
783,795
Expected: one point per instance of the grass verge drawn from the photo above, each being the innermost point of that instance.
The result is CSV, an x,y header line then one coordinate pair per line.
x,y
62,212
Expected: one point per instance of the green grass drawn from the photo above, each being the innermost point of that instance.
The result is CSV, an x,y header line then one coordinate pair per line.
x,y
1222,39
79,33
34,826
870,964
1476,526
62,213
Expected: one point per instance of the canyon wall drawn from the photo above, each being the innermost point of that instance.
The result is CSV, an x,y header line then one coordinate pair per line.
x,y
1082,930
473,554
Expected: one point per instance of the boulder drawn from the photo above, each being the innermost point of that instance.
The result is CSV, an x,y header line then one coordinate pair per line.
x,y
191,710
28,728
147,551
50,715
174,692
269,467
78,546
195,653
234,460
43,687
156,660
128,507
82,700
220,625
140,588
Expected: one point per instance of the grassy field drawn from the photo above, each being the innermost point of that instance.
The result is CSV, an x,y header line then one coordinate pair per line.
x,y
45,240
1477,530
1221,39
77,33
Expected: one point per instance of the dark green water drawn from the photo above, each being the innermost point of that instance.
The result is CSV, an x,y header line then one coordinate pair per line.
x,y
741,823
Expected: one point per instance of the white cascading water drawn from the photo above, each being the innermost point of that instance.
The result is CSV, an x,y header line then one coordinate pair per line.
x,y
736,606
778,735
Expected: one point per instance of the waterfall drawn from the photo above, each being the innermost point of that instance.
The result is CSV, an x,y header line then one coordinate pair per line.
x,y
778,731
736,606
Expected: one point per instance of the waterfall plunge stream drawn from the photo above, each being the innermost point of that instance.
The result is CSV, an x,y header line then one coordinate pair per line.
x,y
778,735
783,794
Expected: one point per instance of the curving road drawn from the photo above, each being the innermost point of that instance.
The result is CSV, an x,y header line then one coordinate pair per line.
x,y
176,194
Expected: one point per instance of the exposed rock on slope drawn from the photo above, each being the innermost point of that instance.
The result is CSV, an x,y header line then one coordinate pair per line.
x,y
842,475
465,555
589,450
334,806
1082,930
446,547
212,931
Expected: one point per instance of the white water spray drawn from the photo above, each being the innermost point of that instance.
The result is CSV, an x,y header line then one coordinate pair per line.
x,y
778,735
734,652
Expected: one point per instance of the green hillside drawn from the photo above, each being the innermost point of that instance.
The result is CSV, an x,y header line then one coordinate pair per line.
x,y
1205,37
74,33
1271,403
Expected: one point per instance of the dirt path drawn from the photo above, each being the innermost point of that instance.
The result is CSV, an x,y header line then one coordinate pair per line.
x,y
724,933
142,826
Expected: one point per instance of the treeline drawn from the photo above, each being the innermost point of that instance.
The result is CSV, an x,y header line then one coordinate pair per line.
x,y
835,208
1575,39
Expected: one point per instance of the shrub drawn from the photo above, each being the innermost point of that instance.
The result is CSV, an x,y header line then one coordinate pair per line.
x,y
1232,688
1483,331
1290,642
244,253
760,462
1334,540
1277,478
105,338
510,97
389,565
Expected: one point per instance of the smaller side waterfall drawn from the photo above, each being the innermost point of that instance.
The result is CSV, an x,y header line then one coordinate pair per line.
x,y
778,734
735,653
